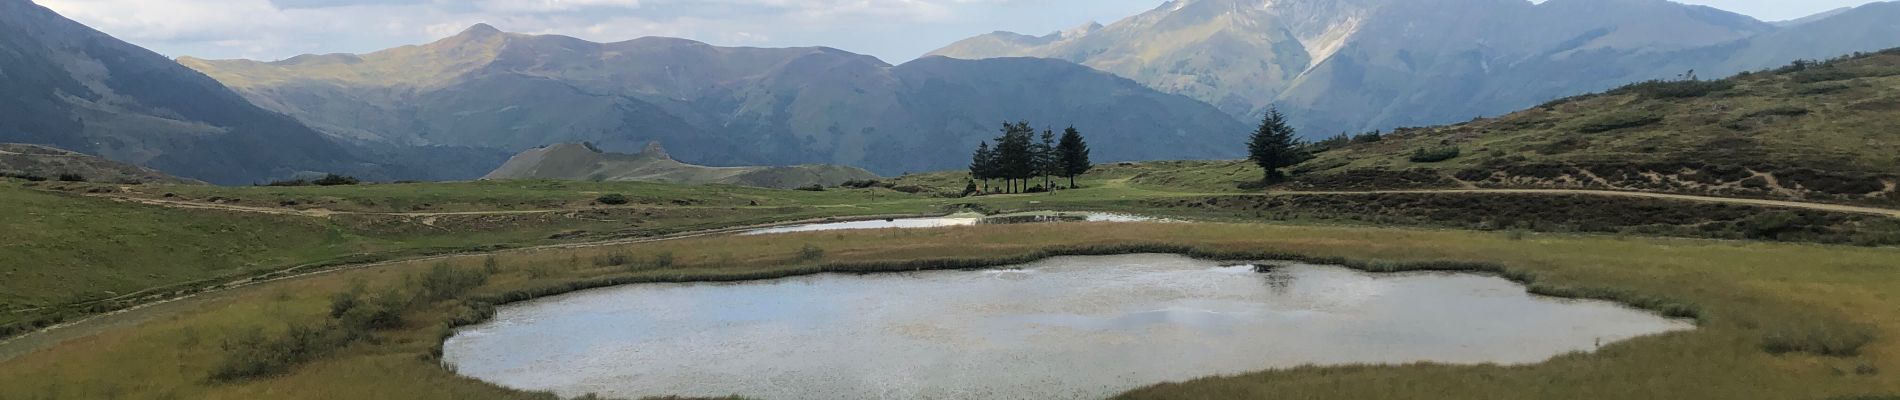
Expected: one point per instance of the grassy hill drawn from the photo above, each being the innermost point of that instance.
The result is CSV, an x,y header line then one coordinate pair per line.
x,y
584,162
1816,131
41,162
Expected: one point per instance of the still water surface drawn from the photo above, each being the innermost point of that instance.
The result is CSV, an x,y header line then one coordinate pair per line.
x,y
955,220
1071,327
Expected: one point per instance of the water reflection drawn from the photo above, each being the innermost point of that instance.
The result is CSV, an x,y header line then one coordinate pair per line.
x,y
1073,327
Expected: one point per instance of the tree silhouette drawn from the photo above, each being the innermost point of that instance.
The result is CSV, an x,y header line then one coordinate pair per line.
x,y
1274,146
1073,152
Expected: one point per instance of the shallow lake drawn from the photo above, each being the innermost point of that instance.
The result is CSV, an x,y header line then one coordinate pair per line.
x,y
1070,327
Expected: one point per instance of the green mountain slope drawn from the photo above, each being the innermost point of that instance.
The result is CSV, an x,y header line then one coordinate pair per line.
x,y
583,162
715,105
1820,133
68,86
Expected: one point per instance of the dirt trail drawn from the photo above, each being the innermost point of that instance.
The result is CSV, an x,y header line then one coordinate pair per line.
x,y
1611,193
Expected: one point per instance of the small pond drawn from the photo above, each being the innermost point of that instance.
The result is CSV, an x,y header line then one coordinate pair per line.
x,y
1070,327
955,220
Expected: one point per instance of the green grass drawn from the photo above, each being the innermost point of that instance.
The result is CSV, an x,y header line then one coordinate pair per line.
x,y
503,196
1828,140
69,254
1748,298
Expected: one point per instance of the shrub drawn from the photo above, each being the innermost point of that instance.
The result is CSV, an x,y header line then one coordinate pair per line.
x,y
810,253
613,199
1666,89
866,184
252,354
613,260
1823,340
289,182
444,281
28,177
663,260
1435,155
1617,121
72,178
336,180
813,188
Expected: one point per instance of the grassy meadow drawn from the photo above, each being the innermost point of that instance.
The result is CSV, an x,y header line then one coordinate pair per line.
x,y
1777,320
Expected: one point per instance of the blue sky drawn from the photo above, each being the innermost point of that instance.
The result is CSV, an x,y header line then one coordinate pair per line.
x,y
894,30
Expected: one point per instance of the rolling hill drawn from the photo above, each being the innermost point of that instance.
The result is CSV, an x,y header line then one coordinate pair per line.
x,y
1810,131
584,162
41,162
712,105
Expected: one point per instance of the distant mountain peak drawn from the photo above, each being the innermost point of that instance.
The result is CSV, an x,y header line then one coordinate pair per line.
x,y
481,29
655,150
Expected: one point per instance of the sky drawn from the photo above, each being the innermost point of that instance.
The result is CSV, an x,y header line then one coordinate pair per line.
x,y
893,30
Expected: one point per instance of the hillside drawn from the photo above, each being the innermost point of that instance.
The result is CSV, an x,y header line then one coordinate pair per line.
x,y
583,162
41,162
1821,132
1360,65
711,105
72,87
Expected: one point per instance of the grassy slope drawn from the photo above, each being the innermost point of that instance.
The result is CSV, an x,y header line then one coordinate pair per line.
x,y
1823,133
73,251
1746,292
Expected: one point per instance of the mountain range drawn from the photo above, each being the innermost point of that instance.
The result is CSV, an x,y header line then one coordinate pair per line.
x,y
717,105
1357,65
1177,82
69,86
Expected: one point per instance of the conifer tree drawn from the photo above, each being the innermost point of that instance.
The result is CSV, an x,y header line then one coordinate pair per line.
x,y
1073,154
1274,146
982,164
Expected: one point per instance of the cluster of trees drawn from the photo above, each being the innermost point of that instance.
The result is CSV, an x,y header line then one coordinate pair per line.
x,y
1019,157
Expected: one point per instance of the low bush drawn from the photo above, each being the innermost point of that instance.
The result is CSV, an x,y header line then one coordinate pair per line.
x,y
613,199
812,188
1436,155
1667,89
613,260
1823,339
336,180
72,178
444,281
21,175
810,253
252,354
1620,120
866,184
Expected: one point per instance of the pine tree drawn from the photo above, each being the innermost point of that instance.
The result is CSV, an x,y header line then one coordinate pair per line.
x,y
982,164
1015,161
1274,146
1046,159
1073,153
